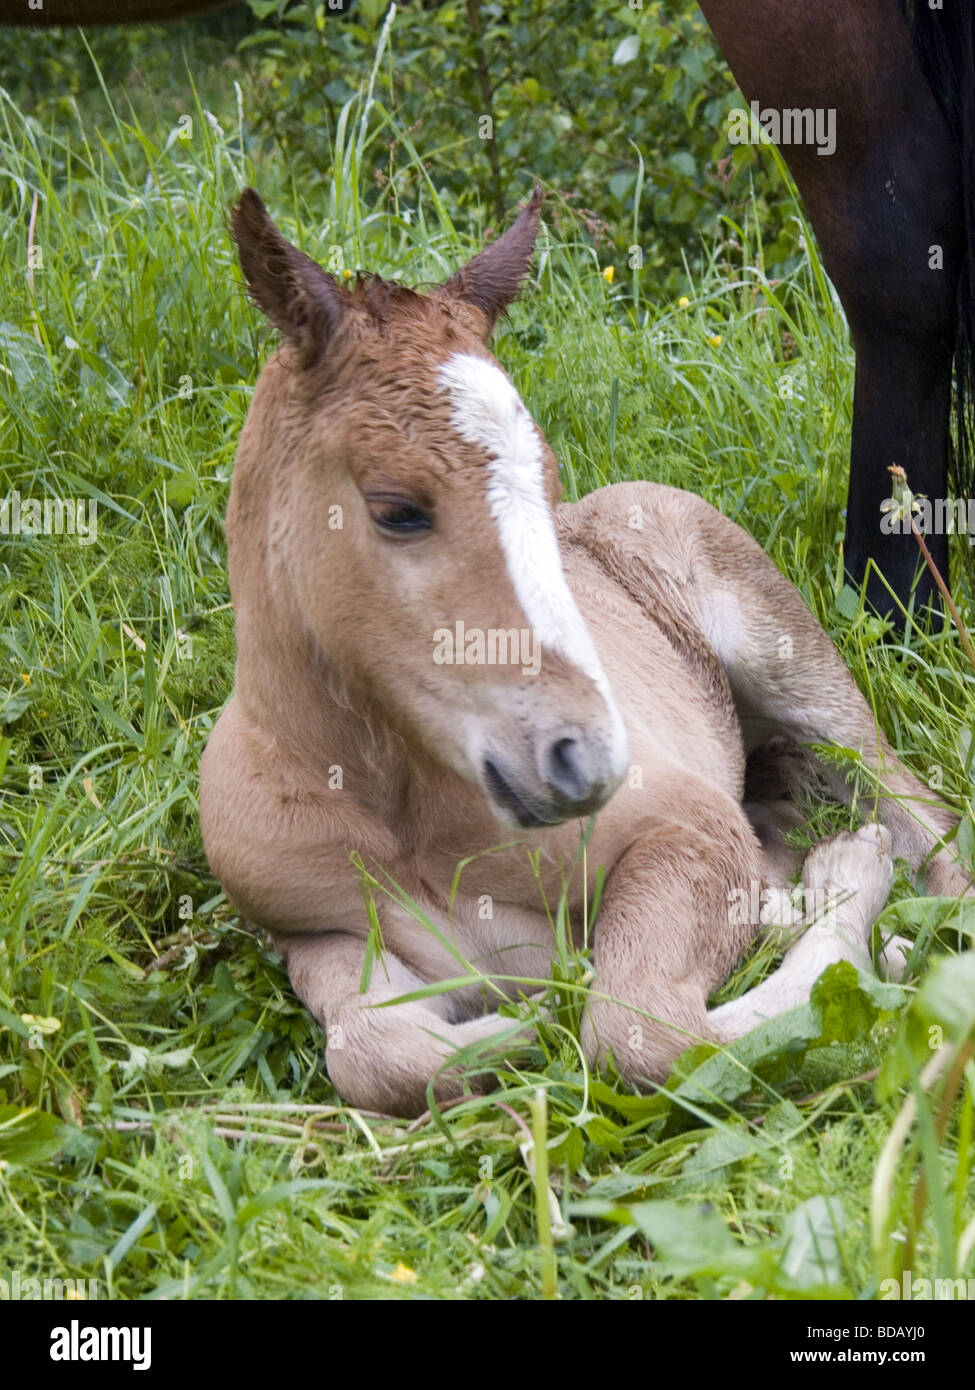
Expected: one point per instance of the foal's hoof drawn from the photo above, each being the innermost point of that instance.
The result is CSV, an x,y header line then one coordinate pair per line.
x,y
853,865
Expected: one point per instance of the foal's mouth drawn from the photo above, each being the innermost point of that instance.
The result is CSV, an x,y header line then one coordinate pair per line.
x,y
528,813
505,795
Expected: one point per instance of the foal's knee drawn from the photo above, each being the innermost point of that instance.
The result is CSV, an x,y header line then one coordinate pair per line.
x,y
394,1060
385,1063
642,1042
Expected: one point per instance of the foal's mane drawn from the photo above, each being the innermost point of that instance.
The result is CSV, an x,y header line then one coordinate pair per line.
x,y
381,299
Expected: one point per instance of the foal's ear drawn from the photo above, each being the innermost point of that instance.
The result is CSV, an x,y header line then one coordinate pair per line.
x,y
298,297
493,278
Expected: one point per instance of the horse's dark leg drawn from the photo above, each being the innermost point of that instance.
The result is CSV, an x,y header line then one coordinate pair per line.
x,y
881,204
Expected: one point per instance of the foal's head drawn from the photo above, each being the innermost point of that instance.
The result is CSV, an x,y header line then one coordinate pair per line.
x,y
412,523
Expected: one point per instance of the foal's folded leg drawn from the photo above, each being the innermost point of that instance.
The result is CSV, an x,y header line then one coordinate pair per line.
x,y
847,879
670,929
383,1058
691,568
666,938
787,676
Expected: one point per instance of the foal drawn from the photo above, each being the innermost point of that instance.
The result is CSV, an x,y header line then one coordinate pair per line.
x,y
395,535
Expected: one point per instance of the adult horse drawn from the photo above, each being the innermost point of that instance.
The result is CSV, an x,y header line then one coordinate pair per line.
x,y
893,207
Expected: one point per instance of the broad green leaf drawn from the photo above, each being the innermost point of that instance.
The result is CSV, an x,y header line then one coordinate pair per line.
x,y
730,1073
947,996
29,1136
848,1001
687,1240
812,1234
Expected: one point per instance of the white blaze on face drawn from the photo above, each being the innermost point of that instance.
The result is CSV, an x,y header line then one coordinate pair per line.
x,y
488,412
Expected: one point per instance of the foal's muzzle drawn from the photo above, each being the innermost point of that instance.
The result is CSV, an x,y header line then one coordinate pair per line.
x,y
574,776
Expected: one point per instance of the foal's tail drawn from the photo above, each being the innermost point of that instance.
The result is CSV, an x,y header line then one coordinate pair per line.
x,y
944,41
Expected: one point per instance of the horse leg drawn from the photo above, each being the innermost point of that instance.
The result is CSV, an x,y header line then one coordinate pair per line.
x,y
886,207
788,679
705,581
666,935
382,1058
848,878
669,933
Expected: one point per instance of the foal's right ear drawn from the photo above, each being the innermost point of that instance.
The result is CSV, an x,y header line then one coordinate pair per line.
x,y
298,297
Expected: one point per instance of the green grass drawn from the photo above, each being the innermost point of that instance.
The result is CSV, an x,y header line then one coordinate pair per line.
x,y
166,1125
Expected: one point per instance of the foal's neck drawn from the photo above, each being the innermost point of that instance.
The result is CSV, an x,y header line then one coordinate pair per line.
x,y
326,736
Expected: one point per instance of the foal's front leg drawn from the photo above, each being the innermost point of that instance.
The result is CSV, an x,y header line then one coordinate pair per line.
x,y
669,932
847,879
382,1058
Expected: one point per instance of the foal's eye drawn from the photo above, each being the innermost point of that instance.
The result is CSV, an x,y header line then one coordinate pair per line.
x,y
399,518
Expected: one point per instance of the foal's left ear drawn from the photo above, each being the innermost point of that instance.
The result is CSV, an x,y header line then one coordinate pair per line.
x,y
493,278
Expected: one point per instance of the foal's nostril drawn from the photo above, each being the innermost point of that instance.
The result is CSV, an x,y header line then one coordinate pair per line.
x,y
565,771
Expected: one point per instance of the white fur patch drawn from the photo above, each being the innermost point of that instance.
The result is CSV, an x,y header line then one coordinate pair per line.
x,y
489,413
